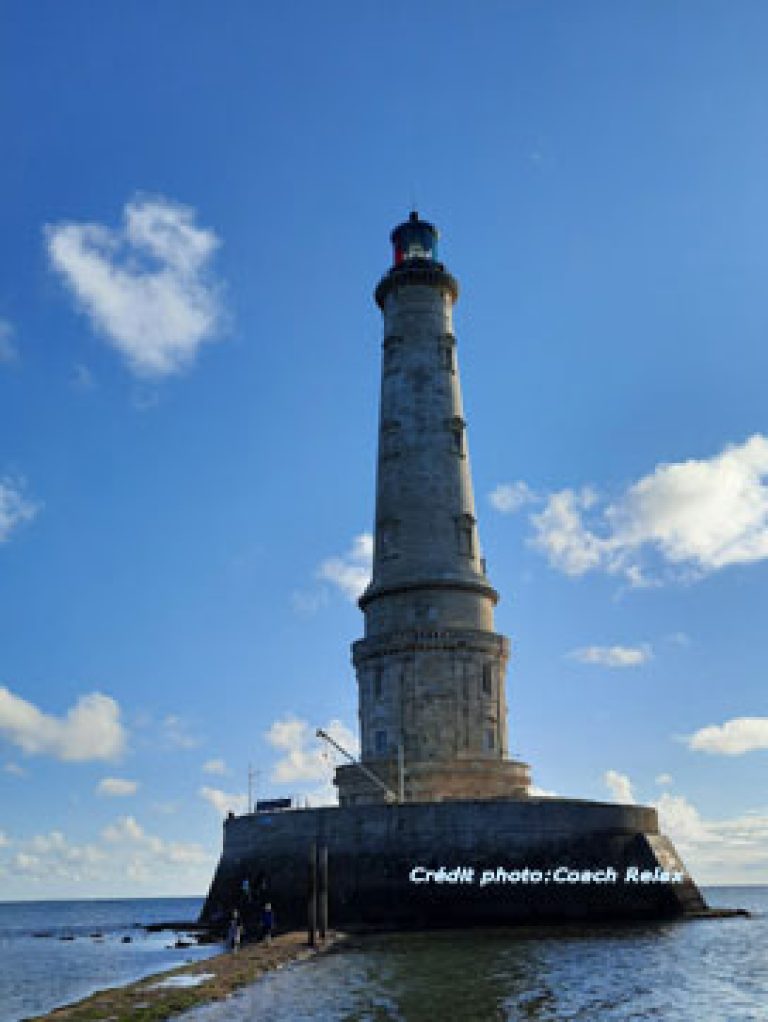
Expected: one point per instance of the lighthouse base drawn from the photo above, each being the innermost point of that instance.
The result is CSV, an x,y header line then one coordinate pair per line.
x,y
487,862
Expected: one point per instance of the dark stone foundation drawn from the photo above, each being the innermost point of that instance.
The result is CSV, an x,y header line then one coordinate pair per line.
x,y
373,850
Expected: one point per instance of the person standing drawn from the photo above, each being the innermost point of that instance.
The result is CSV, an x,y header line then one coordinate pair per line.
x,y
267,922
235,932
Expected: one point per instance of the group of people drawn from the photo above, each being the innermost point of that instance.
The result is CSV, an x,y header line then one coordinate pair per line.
x,y
235,929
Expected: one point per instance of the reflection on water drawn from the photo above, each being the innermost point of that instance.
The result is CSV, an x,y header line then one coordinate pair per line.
x,y
675,972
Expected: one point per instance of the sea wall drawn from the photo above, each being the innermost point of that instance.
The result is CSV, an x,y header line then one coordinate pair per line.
x,y
468,863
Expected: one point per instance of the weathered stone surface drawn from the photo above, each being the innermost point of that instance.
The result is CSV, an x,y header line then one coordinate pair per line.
x,y
372,850
431,669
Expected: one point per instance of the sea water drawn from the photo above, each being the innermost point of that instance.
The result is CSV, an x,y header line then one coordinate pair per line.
x,y
709,970
83,948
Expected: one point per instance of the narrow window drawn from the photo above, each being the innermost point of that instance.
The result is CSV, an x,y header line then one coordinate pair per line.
x,y
447,353
488,679
377,683
465,534
455,427
381,743
490,739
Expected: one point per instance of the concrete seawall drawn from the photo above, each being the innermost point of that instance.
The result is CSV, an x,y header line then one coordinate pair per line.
x,y
584,860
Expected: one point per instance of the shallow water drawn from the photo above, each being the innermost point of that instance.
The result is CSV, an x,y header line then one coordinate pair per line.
x,y
698,971
40,973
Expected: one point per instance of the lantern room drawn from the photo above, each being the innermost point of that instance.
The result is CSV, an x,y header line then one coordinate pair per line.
x,y
415,239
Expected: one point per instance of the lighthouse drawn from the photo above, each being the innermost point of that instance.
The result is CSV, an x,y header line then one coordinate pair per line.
x,y
435,784
431,669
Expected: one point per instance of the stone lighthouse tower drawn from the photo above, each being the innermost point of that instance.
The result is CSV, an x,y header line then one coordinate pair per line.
x,y
431,669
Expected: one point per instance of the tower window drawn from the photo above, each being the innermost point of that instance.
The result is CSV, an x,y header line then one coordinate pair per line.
x,y
381,742
465,533
490,739
455,428
488,679
377,683
448,353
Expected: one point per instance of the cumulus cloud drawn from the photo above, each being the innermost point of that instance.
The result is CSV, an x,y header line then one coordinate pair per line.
x,y
698,516
15,507
90,730
619,786
352,571
733,850
733,738
216,766
128,831
8,350
510,497
145,286
303,756
116,787
123,860
612,656
224,802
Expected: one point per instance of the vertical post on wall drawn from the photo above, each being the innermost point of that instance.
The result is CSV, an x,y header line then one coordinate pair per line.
x,y
400,772
312,896
322,892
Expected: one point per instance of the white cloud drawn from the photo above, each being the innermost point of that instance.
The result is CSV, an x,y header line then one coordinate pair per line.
x,y
561,534
145,286
128,831
304,756
8,350
536,792
697,515
124,861
224,802
117,787
176,735
90,730
510,497
15,508
216,766
733,738
612,656
4,839
14,769
351,572
619,786
734,850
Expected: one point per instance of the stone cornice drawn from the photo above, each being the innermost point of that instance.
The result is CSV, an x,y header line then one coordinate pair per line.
x,y
416,271
396,588
472,640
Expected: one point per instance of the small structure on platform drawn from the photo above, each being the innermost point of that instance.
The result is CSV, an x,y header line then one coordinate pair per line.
x,y
463,843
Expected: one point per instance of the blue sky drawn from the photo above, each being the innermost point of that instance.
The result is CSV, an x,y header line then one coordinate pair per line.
x,y
197,206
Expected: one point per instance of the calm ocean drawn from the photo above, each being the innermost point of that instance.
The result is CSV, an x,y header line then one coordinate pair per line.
x,y
40,973
713,970
703,971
